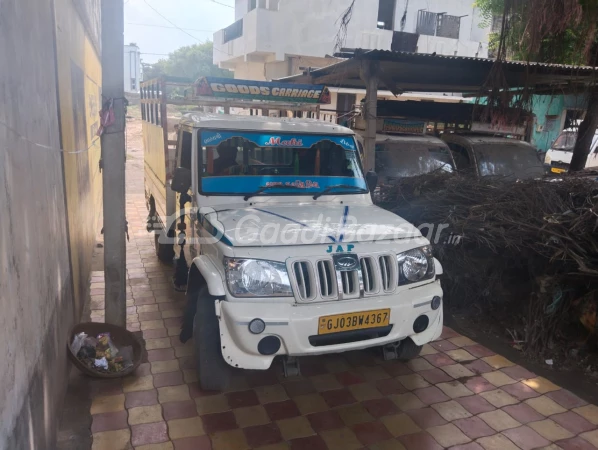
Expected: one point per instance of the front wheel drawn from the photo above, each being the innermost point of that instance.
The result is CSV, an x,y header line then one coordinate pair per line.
x,y
213,371
408,350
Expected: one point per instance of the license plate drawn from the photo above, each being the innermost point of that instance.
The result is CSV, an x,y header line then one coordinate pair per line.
x,y
557,170
354,321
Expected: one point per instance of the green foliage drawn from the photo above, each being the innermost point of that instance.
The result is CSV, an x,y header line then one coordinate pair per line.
x,y
192,62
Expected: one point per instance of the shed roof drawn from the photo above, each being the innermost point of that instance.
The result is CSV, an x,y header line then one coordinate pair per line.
x,y
406,71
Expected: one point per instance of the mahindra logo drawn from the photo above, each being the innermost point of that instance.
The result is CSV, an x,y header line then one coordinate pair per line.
x,y
345,263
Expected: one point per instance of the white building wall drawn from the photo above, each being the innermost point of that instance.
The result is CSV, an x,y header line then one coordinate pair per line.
x,y
133,78
310,28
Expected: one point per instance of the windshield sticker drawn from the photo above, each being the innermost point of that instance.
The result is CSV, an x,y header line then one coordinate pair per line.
x,y
249,184
277,142
307,184
214,138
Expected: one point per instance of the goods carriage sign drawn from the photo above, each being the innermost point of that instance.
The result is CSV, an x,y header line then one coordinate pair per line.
x,y
261,90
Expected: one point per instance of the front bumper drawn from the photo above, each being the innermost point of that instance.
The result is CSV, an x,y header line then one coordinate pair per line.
x,y
294,324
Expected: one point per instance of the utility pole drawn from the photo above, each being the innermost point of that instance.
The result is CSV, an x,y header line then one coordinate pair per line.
x,y
113,159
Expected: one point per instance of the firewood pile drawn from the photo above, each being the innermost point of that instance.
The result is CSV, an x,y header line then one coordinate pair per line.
x,y
525,252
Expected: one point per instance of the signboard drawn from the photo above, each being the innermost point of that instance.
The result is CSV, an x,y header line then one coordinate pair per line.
x,y
403,126
480,127
261,90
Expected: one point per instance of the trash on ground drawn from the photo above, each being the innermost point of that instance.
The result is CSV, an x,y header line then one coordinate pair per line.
x,y
100,354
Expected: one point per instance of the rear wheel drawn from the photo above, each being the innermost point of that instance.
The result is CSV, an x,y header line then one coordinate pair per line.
x,y
213,371
164,251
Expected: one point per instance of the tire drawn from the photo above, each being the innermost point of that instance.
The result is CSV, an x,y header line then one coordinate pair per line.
x,y
164,252
212,370
408,350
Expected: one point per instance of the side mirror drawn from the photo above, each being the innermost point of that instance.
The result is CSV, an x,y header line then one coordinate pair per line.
x,y
181,180
371,178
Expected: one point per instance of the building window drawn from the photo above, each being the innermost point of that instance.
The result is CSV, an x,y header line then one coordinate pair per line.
x,y
386,14
233,31
438,24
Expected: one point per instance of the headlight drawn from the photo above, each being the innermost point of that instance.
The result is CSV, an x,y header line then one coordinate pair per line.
x,y
547,159
416,265
257,278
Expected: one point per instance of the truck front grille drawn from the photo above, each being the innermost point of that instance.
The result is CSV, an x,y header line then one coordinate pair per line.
x,y
320,281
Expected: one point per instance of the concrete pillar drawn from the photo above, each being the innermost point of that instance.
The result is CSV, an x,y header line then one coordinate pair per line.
x,y
369,74
113,155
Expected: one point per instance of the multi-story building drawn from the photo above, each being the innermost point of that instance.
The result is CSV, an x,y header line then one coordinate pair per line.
x,y
274,38
132,68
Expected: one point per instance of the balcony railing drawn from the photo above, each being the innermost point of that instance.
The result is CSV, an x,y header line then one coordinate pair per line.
x,y
233,31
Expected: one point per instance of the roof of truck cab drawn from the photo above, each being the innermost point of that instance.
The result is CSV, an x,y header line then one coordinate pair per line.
x,y
482,139
261,123
424,139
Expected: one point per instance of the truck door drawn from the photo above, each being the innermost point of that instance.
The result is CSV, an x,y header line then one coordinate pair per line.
x,y
183,222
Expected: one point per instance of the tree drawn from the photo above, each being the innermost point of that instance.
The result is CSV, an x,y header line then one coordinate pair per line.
x,y
192,62
555,31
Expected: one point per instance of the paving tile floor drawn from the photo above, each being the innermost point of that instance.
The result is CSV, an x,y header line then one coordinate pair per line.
x,y
457,394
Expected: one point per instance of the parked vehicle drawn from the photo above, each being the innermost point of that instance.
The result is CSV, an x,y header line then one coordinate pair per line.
x,y
291,257
559,155
482,155
399,156
404,155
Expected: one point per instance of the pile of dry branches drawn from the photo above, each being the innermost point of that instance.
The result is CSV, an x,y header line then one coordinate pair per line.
x,y
527,250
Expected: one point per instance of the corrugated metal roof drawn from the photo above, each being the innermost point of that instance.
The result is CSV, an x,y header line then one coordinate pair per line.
x,y
420,72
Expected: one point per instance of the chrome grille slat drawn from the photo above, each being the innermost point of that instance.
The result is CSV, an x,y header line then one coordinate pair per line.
x,y
304,280
387,271
326,278
369,275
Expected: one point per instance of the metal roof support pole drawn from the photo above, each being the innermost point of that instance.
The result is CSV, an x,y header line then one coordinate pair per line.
x,y
369,74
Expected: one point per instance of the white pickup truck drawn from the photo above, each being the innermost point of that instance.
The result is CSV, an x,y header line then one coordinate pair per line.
x,y
558,157
290,256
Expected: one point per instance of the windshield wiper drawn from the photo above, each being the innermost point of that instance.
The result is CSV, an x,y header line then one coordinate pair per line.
x,y
339,186
265,188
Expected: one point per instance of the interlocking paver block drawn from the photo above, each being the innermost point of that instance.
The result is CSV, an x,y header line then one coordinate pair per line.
x,y
545,406
107,404
451,411
541,385
448,435
400,424
111,440
499,398
551,430
145,414
499,420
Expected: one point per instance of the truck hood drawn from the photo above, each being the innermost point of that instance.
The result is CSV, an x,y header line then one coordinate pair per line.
x,y
284,225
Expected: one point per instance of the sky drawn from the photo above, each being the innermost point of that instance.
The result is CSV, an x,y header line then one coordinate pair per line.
x,y
199,18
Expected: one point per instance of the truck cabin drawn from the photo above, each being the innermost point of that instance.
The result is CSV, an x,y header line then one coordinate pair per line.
x,y
253,156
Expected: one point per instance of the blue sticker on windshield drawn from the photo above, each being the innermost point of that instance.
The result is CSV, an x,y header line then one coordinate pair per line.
x,y
248,184
213,138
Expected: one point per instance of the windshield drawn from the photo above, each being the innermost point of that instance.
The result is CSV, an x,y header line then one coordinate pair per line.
x,y
236,162
565,141
408,159
508,159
